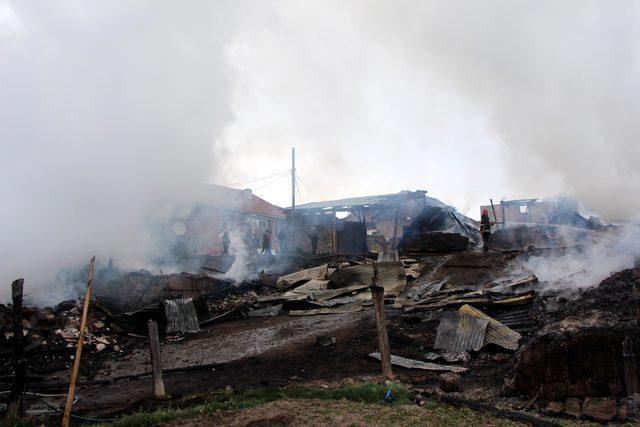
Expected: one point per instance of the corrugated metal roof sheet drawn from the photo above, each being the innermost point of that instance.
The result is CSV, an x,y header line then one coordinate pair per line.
x,y
377,200
497,333
181,315
460,332
391,276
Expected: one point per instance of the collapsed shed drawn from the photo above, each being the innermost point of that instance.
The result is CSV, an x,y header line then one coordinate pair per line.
x,y
370,221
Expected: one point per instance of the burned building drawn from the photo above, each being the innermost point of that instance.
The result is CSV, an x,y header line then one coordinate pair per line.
x,y
553,210
223,209
358,224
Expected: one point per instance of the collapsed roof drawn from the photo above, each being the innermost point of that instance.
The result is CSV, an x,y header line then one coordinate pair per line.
x,y
382,201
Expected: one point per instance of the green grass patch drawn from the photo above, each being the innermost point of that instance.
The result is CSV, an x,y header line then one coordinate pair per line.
x,y
368,392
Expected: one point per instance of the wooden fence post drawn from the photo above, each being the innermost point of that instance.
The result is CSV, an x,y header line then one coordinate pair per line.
x,y
156,359
377,294
66,418
15,408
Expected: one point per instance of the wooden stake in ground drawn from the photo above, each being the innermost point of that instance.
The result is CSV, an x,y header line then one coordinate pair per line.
x,y
76,362
377,294
156,359
15,408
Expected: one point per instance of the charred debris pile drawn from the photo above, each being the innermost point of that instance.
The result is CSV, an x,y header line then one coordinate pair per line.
x,y
463,325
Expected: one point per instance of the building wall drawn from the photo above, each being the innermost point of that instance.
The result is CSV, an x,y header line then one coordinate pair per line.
x,y
383,222
205,226
538,213
305,224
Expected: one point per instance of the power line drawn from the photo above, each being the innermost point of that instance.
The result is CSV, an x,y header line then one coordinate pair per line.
x,y
262,178
304,183
298,191
282,175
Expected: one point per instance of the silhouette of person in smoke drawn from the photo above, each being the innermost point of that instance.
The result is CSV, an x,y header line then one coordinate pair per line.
x,y
266,242
314,236
226,241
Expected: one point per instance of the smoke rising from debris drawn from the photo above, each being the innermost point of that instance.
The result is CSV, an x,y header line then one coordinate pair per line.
x,y
591,261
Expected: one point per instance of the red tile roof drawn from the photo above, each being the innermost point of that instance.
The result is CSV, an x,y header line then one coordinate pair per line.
x,y
242,200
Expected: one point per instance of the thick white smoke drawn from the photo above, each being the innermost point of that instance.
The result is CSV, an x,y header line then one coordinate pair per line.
x,y
591,261
108,116
108,107
468,100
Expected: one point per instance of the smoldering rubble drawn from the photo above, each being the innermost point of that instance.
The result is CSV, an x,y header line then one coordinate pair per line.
x,y
491,329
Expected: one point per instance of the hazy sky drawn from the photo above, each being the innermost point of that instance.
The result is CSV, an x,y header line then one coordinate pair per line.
x,y
108,106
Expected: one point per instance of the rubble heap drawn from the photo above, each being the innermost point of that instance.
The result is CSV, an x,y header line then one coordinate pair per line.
x,y
584,348
51,335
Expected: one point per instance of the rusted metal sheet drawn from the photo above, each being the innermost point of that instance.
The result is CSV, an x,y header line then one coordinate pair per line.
x,y
496,332
460,332
417,364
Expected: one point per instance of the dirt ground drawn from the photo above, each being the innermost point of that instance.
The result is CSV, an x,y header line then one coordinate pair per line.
x,y
341,413
262,352
274,352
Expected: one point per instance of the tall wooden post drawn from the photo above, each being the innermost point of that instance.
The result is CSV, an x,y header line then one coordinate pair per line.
x,y
377,294
66,418
15,408
156,359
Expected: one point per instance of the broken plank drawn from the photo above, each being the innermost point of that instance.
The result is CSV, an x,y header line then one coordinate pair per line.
x,y
417,364
288,281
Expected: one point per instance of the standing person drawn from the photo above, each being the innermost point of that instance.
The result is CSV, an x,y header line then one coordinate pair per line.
x,y
226,241
283,238
266,242
485,229
314,236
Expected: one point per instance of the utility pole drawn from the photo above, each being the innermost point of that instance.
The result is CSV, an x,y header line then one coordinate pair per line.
x,y
293,197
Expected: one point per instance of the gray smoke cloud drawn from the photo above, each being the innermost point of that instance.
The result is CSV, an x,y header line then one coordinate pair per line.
x,y
108,116
107,108
468,100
